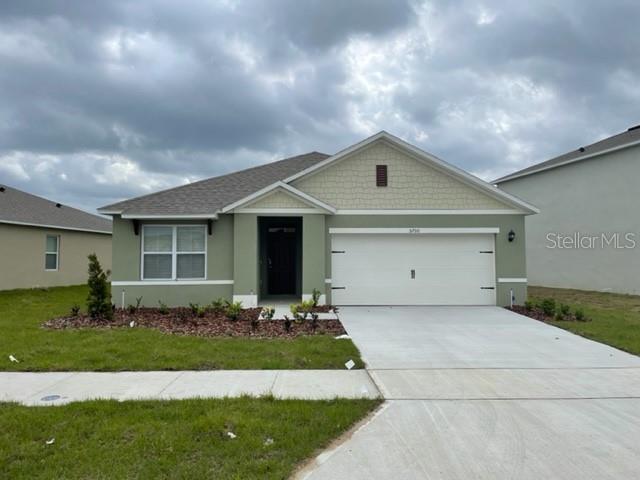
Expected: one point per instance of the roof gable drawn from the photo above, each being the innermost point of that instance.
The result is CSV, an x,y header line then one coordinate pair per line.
x,y
278,199
292,197
417,180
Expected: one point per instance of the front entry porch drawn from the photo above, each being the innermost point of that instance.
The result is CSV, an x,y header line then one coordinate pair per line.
x,y
278,258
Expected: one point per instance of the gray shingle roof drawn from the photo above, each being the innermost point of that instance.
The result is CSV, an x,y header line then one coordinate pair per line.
x,y
620,140
21,207
210,195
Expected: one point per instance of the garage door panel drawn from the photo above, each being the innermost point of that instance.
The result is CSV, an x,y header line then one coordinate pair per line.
x,y
375,269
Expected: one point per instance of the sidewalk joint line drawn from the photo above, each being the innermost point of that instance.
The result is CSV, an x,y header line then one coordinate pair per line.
x,y
180,374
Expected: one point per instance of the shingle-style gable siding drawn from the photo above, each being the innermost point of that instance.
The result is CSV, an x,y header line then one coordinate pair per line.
x,y
351,184
278,199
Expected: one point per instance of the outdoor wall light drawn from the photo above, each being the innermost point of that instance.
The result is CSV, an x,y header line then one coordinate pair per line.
x,y
511,236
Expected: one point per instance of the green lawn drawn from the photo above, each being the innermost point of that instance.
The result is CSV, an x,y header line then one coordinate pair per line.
x,y
170,439
615,318
23,311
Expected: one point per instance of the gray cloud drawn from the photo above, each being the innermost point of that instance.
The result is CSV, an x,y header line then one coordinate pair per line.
x,y
107,100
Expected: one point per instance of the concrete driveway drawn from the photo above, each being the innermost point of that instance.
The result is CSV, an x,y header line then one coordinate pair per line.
x,y
480,392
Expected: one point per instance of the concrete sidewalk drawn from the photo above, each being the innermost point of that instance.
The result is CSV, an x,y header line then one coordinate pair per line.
x,y
57,388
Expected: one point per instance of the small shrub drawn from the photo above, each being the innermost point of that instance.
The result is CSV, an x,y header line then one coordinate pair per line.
x,y
579,314
99,298
296,311
163,309
548,306
315,296
565,309
314,321
233,311
195,308
218,305
268,313
75,310
307,306
131,309
559,315
528,305
287,324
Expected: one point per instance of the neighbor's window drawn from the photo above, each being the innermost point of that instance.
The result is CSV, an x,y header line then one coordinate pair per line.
x,y
173,252
51,253
381,175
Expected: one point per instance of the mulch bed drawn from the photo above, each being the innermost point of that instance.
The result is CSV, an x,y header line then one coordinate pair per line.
x,y
537,314
181,321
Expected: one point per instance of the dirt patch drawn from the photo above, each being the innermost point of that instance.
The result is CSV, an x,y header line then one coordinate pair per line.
x,y
210,323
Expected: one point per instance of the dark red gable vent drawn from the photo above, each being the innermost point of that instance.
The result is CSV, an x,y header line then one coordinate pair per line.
x,y
381,175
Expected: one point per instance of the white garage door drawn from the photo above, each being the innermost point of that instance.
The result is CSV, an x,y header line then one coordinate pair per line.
x,y
413,269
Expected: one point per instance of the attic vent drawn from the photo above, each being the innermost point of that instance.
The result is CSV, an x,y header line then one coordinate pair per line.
x,y
58,205
381,175
636,127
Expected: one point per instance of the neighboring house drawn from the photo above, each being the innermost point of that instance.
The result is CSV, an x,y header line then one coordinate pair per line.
x,y
45,244
379,223
589,201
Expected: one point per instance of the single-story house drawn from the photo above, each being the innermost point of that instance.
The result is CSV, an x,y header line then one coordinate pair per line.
x,y
379,223
587,235
45,244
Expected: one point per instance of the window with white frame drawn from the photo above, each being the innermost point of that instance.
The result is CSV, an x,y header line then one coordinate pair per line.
x,y
174,252
51,253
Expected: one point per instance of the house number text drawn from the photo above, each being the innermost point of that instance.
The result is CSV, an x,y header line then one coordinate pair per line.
x,y
414,230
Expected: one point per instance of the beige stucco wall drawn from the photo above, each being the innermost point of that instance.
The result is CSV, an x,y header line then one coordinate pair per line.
x,y
278,199
22,256
351,184
587,198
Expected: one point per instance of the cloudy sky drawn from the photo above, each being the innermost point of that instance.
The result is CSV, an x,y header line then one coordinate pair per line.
x,y
106,100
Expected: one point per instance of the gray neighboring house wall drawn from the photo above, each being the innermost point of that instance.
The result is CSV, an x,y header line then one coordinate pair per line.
x,y
582,195
380,222
45,244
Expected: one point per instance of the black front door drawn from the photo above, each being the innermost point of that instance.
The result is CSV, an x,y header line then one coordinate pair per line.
x,y
281,260
280,256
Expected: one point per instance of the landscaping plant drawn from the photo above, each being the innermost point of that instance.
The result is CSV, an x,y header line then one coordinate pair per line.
x,y
548,306
296,311
99,298
162,308
194,307
75,310
314,321
218,305
233,310
287,324
268,313
306,307
315,296
132,309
